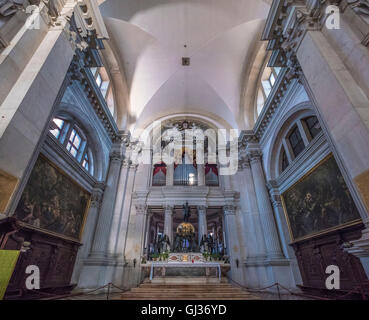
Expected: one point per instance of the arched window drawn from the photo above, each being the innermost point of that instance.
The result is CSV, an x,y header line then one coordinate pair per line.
x,y
72,138
299,134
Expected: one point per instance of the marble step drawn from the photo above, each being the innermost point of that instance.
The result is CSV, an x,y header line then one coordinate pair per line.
x,y
221,291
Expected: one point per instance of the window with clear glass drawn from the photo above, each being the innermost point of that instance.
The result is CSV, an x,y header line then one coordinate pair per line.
x,y
296,141
56,127
268,80
71,138
313,126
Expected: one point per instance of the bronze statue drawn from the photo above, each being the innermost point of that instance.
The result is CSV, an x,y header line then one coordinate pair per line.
x,y
186,212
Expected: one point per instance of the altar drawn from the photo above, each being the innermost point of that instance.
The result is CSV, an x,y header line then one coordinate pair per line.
x,y
186,265
188,255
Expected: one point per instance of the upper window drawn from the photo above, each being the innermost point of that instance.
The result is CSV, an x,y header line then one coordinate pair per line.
x,y
313,126
103,83
296,141
268,80
73,139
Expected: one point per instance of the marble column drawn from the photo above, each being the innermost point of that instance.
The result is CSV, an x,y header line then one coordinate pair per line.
x,y
168,222
203,227
130,170
135,242
233,243
271,236
256,247
87,238
117,212
147,233
102,233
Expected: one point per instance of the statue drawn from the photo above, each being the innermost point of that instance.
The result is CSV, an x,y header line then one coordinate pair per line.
x,y
186,212
165,243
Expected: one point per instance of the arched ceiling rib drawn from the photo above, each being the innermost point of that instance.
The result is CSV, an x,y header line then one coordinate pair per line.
x,y
151,37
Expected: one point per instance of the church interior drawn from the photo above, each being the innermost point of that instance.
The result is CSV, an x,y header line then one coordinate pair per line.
x,y
184,149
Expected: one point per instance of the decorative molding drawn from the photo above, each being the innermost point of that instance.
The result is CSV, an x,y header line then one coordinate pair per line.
x,y
254,156
201,209
229,209
96,197
168,209
141,209
284,81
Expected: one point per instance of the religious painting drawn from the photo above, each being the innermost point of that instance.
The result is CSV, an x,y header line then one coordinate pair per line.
x,y
52,201
319,202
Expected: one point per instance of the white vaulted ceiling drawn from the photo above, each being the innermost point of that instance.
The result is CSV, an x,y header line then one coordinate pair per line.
x,y
150,37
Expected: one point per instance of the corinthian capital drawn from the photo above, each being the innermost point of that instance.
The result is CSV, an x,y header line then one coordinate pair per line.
x,y
229,209
254,155
141,209
96,198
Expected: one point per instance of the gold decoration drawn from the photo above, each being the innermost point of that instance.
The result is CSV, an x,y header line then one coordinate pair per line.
x,y
185,228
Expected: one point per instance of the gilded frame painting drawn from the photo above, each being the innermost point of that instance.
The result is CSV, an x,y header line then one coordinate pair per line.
x,y
53,202
319,202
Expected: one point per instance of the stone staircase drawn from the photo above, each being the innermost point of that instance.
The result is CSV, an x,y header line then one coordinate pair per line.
x,y
187,290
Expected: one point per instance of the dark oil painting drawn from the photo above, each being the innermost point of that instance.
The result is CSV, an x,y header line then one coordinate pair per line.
x,y
52,201
320,201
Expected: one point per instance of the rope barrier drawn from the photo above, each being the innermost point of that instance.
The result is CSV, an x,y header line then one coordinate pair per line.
x,y
357,290
53,296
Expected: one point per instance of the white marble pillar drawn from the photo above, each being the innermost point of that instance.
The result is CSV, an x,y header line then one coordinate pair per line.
x,y
271,236
102,233
202,221
130,170
147,233
135,242
88,231
168,222
117,212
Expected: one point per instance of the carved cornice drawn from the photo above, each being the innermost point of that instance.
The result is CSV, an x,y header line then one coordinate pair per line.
x,y
287,23
272,104
79,71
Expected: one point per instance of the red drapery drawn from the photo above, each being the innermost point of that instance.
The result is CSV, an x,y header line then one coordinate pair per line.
x,y
212,167
160,167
